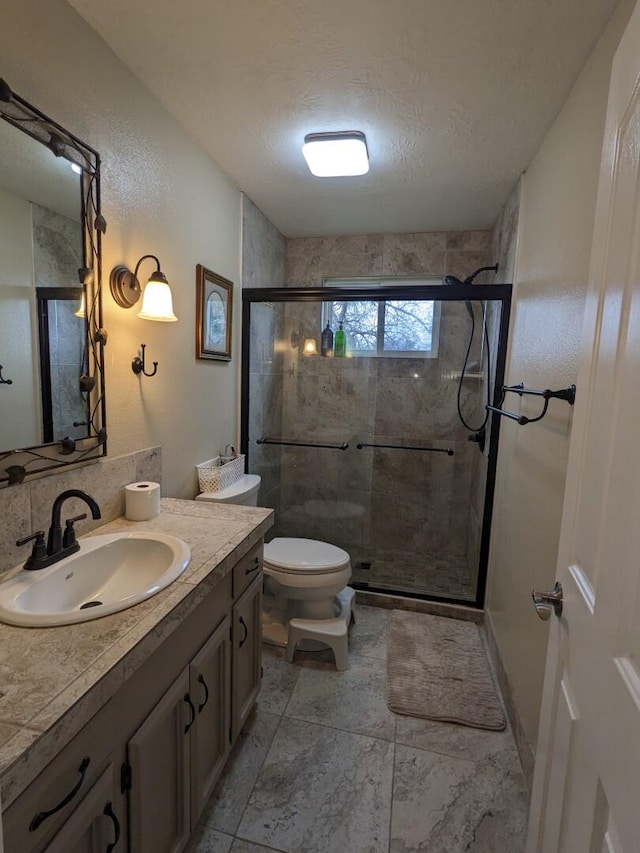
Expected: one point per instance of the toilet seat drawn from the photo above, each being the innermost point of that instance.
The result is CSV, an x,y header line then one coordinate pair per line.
x,y
304,557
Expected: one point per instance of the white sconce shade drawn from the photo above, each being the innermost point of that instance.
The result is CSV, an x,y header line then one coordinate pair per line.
x,y
82,308
310,347
157,302
336,155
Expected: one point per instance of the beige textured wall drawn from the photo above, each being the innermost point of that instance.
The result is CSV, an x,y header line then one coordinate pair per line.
x,y
556,221
160,194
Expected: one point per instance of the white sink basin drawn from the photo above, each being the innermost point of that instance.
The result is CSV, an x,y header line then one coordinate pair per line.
x,y
109,573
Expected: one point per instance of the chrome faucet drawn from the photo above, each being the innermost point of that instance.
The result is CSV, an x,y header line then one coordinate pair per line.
x,y
58,546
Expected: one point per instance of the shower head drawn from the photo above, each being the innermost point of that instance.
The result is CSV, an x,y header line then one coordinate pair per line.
x,y
452,279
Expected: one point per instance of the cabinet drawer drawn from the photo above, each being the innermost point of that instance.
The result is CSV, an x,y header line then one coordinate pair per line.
x,y
247,570
31,822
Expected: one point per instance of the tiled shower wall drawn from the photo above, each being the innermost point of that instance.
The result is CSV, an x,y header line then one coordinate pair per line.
x,y
263,265
384,505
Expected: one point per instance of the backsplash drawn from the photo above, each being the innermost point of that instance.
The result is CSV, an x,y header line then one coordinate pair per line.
x,y
27,507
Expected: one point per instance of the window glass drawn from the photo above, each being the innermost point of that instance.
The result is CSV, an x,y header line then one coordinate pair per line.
x,y
389,328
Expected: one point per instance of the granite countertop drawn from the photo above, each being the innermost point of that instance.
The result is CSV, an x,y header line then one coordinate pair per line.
x,y
53,680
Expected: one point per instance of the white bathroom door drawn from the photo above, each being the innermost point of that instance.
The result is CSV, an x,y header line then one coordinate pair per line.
x,y
586,792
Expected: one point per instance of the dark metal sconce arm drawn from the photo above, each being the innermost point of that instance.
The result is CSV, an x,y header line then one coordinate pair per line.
x,y
143,258
4,381
137,365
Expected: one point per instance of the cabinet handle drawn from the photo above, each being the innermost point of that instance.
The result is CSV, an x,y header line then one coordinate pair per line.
x,y
246,633
254,567
42,816
187,699
109,812
206,692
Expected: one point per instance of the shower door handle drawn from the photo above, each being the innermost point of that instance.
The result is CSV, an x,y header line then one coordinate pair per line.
x,y
545,602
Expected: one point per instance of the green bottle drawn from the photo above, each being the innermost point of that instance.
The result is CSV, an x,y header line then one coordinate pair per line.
x,y
340,342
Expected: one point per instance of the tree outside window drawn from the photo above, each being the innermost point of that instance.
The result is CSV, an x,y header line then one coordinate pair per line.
x,y
390,328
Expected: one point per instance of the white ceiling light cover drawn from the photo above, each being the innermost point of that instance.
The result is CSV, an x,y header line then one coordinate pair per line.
x,y
336,155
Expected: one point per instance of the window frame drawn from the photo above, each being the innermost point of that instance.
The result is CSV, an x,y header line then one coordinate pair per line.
x,y
369,282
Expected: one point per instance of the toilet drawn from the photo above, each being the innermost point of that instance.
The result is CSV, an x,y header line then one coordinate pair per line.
x,y
306,600
244,491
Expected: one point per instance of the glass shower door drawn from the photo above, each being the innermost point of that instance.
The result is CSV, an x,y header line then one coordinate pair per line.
x,y
367,451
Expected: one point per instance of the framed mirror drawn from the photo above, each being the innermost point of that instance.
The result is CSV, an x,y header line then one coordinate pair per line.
x,y
52,410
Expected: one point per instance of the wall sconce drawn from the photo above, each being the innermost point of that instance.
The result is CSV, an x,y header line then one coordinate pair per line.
x,y
309,346
157,302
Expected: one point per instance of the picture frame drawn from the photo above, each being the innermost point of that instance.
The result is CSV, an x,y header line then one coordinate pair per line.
x,y
214,314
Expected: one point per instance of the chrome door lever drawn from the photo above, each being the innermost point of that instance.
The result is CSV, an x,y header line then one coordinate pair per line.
x,y
545,602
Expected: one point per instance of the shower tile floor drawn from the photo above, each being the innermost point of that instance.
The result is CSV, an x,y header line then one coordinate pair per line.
x,y
324,767
448,577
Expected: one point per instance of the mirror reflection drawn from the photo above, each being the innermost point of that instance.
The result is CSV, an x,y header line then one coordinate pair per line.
x,y
42,335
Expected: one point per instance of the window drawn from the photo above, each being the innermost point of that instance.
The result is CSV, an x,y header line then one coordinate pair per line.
x,y
390,328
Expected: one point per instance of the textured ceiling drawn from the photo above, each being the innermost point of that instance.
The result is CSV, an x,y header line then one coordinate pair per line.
x,y
454,96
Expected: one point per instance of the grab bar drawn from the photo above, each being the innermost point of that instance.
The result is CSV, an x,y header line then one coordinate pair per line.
x,y
446,450
264,440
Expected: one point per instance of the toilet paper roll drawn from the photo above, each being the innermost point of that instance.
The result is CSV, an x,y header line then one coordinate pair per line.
x,y
142,501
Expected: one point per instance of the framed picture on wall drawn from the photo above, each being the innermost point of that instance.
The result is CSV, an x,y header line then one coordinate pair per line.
x,y
214,303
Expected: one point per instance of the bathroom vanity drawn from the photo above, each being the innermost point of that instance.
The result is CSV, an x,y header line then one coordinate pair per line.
x,y
126,722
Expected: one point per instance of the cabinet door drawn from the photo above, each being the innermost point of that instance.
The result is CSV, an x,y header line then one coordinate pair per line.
x,y
210,686
95,826
247,652
158,755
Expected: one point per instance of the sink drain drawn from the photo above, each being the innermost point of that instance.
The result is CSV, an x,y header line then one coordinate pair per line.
x,y
88,604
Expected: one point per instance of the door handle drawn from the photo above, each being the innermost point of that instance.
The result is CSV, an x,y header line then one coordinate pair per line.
x,y
186,698
206,692
246,633
109,812
545,602
42,816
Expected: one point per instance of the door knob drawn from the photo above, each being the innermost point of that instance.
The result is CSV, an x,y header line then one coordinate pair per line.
x,y
545,602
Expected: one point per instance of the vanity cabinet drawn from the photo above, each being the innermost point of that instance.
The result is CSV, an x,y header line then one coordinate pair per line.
x,y
157,749
247,659
94,826
70,796
177,754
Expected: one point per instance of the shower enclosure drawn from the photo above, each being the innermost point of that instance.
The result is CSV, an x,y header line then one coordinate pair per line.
x,y
368,451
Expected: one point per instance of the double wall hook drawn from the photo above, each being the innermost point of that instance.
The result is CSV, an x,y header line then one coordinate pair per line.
x,y
137,365
4,381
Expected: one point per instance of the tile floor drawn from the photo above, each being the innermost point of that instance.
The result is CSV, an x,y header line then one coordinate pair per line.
x,y
449,577
324,767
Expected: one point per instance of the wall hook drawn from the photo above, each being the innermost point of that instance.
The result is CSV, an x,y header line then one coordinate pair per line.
x,y
4,381
137,365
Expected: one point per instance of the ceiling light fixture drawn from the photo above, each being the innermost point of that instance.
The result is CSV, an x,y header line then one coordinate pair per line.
x,y
336,155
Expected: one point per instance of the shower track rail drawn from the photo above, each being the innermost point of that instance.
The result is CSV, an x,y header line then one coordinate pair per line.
x,y
265,440
446,450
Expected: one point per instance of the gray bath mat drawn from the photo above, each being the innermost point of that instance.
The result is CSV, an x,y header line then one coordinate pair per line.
x,y
437,669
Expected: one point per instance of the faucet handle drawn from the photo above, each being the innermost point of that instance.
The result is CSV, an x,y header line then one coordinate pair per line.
x,y
69,537
39,550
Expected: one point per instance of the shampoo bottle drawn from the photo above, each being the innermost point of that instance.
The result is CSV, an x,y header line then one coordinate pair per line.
x,y
340,342
326,342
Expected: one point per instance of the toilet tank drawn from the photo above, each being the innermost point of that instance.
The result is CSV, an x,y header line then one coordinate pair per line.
x,y
244,491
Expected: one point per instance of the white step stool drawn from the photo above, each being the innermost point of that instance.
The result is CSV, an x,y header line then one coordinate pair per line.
x,y
332,632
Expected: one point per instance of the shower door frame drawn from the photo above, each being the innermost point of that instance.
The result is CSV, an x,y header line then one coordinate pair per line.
x,y
436,292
